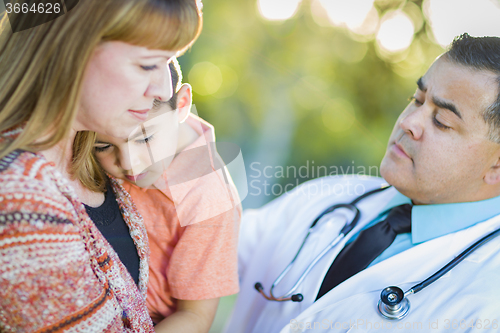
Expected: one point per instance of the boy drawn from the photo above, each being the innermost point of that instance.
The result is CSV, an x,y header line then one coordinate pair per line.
x,y
191,213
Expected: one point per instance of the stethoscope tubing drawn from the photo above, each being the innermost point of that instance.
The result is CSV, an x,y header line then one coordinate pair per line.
x,y
307,270
445,269
343,233
394,304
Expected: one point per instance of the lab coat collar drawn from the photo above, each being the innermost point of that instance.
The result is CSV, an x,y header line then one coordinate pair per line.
x,y
432,221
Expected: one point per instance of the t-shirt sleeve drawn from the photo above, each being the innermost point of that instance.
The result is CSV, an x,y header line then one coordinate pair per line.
x,y
197,180
204,261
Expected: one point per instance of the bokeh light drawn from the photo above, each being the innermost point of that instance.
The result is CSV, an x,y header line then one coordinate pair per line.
x,y
415,13
278,10
396,31
450,18
350,13
206,78
369,25
229,82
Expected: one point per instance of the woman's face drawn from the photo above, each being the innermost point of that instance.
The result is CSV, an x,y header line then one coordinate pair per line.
x,y
120,85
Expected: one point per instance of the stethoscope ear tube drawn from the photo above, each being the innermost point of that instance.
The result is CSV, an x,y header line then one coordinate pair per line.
x,y
289,296
294,298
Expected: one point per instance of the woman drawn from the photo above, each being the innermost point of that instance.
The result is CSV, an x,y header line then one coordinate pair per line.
x,y
97,68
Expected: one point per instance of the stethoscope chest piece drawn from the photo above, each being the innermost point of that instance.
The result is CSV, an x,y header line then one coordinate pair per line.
x,y
393,304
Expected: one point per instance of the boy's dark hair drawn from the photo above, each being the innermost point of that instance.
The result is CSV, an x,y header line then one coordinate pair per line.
x,y
480,53
176,73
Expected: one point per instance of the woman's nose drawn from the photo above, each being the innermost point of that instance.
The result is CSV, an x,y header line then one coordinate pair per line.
x,y
160,86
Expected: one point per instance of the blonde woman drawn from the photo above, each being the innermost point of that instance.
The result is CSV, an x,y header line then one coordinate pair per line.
x,y
97,68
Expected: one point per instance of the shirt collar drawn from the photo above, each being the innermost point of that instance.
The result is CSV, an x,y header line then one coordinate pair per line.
x,y
432,221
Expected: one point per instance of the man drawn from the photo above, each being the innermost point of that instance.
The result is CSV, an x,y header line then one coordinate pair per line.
x,y
443,162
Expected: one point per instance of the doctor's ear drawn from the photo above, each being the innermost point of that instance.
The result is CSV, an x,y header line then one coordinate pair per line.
x,y
184,100
492,177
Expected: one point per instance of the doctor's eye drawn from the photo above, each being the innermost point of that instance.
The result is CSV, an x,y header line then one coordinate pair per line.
x,y
439,124
415,100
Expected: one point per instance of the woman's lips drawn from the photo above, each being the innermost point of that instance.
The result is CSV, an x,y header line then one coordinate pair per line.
x,y
141,115
136,177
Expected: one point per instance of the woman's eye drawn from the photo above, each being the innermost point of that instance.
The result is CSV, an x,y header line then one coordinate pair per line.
x,y
102,148
149,68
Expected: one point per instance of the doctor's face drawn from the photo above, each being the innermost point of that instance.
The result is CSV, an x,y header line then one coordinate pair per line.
x,y
439,151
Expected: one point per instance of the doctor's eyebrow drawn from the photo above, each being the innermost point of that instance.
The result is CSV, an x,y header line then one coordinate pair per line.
x,y
421,85
446,105
438,102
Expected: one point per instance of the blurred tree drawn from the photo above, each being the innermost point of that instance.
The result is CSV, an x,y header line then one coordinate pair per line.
x,y
296,93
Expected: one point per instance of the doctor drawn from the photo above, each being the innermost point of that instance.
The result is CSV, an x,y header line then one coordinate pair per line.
x,y
443,162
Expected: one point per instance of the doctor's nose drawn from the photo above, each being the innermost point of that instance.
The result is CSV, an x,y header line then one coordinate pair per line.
x,y
412,123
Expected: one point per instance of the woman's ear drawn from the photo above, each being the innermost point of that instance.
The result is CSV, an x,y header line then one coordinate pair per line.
x,y
184,101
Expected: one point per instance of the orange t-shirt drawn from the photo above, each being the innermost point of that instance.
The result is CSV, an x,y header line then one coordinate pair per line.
x,y
192,228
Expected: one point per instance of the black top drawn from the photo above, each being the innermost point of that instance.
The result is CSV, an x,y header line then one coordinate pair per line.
x,y
109,220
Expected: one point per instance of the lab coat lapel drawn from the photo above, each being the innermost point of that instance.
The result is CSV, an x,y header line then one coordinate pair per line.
x,y
290,241
315,244
370,209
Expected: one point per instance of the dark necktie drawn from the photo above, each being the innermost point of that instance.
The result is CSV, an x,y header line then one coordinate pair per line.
x,y
369,244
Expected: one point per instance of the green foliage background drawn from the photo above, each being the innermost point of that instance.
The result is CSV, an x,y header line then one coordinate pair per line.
x,y
285,74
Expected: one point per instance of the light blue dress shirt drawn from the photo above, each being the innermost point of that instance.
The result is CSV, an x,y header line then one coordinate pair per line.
x,y
432,221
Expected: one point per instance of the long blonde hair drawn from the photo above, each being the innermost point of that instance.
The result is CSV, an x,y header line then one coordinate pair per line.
x,y
41,69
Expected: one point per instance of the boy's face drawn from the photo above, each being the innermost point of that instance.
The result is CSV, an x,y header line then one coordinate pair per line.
x,y
148,151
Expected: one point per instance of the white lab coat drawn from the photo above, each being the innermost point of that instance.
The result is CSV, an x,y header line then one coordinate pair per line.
x,y
270,237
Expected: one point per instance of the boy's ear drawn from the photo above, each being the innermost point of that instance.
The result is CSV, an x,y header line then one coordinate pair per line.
x,y
184,100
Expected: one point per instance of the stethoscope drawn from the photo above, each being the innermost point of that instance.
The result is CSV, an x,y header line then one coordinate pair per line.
x,y
289,296
393,303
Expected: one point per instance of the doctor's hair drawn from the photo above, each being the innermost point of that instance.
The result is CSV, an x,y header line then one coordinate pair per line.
x,y
42,68
480,53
